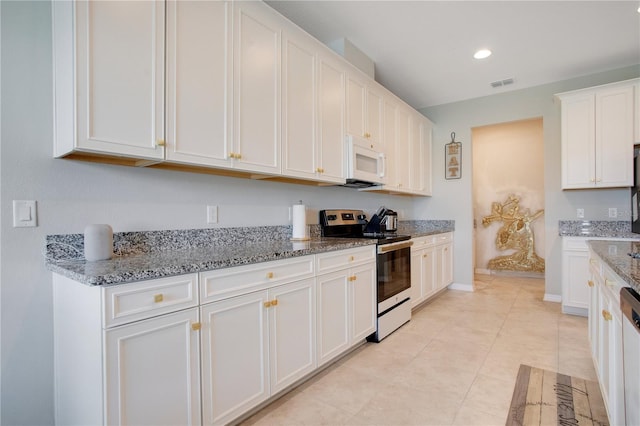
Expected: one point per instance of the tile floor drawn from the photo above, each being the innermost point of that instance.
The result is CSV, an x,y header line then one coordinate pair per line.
x,y
454,363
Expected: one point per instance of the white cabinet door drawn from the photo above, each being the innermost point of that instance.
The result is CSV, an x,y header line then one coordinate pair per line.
x,y
417,278
153,371
444,265
333,315
614,137
199,82
363,297
257,50
575,276
235,364
356,106
299,106
119,78
375,116
292,333
597,137
636,110
389,141
403,150
416,159
578,141
426,141
331,112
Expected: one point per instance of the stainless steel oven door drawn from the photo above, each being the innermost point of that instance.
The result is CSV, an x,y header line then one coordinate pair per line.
x,y
394,269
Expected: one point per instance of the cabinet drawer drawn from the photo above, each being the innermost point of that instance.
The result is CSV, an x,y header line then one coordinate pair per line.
x,y
574,244
447,237
145,299
422,242
224,283
341,259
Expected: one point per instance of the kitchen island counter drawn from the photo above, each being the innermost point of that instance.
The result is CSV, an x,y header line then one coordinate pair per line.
x,y
615,254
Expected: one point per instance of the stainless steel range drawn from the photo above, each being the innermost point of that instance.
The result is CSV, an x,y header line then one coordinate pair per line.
x,y
393,261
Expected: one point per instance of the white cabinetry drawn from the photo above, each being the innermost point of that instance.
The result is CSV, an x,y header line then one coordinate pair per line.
x,y
256,87
575,276
364,109
143,337
597,136
431,266
346,298
258,334
199,75
605,330
109,78
312,110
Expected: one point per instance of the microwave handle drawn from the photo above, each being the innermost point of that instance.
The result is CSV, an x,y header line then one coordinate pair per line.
x,y
383,164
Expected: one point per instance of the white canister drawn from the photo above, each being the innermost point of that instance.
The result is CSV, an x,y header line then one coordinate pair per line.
x,y
98,242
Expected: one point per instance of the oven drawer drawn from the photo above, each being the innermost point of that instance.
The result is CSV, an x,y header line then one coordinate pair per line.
x,y
336,260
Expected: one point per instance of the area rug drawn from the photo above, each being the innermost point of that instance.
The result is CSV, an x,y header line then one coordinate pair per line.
x,y
543,397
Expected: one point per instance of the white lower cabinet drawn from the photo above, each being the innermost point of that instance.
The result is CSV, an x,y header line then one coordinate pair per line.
x,y
605,333
205,348
143,371
152,371
575,276
346,300
254,346
431,266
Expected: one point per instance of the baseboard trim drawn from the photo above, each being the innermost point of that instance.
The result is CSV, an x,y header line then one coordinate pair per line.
x,y
552,298
461,287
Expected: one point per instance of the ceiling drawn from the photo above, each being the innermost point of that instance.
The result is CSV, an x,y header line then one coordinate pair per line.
x,y
423,50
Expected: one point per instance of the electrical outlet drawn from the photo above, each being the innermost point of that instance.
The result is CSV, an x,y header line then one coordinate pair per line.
x,y
613,212
212,214
580,213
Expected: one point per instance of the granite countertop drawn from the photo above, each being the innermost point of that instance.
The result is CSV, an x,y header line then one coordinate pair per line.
x,y
615,254
596,229
156,254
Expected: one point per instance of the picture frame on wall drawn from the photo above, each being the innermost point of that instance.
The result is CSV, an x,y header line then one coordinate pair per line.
x,y
453,159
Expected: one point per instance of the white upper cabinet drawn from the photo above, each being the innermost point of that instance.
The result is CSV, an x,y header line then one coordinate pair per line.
x,y
636,110
364,109
312,110
331,111
199,87
597,136
256,88
109,78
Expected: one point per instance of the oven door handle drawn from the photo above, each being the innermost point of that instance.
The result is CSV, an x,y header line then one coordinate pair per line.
x,y
394,246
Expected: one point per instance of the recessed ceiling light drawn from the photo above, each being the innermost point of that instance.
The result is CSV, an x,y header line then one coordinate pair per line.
x,y
482,53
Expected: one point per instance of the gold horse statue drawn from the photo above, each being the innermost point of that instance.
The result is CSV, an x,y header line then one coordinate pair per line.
x,y
516,234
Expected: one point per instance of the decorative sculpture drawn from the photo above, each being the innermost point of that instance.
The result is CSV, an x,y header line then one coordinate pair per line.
x,y
516,234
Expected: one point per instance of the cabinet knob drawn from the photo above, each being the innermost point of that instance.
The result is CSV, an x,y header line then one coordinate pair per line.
x,y
274,302
157,298
606,315
351,258
267,304
161,142
234,155
352,278
270,275
196,326
590,283
609,283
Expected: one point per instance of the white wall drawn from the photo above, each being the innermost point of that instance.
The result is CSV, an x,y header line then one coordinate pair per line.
x,y
72,194
507,159
461,117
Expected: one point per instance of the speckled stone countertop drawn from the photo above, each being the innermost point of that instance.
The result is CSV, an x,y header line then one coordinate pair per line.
x,y
155,254
596,228
616,255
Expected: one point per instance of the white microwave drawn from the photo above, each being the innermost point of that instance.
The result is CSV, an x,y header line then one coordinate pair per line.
x,y
366,163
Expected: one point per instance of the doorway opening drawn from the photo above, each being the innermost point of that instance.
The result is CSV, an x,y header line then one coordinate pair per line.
x,y
508,198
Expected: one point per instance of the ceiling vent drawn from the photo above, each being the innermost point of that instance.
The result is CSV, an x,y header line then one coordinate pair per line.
x,y
501,83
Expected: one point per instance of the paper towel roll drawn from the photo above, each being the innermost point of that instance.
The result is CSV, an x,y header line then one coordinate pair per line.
x,y
98,242
299,219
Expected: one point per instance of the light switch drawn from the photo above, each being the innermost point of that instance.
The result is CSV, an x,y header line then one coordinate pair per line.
x,y
24,213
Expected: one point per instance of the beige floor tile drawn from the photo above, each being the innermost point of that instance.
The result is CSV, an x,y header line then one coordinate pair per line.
x,y
454,363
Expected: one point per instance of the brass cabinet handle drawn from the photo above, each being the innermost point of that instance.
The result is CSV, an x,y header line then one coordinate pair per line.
x,y
590,283
274,302
196,326
606,315
609,282
234,155
320,170
352,278
270,303
351,258
592,261
157,298
269,275
161,142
